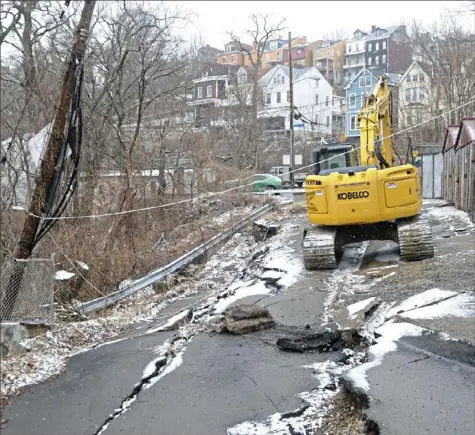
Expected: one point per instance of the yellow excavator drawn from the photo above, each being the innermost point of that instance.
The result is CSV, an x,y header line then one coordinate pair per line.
x,y
355,196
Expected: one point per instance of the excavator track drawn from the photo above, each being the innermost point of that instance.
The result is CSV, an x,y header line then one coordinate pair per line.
x,y
415,240
319,248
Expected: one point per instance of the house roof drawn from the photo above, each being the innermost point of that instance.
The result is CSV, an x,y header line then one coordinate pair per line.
x,y
450,137
373,71
217,69
467,125
424,66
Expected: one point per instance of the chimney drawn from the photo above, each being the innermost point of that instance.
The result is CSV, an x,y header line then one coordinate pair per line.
x,y
373,28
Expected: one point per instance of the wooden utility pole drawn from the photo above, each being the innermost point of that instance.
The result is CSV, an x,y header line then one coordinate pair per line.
x,y
55,143
291,85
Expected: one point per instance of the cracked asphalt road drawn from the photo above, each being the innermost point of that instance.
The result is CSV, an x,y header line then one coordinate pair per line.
x,y
224,379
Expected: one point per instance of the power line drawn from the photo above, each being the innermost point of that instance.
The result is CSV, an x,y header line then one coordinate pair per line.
x,y
210,195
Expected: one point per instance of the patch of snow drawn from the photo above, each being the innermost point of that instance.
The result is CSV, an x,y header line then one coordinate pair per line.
x,y
82,265
151,367
62,275
172,321
257,289
359,306
462,305
124,283
272,274
421,299
176,362
449,214
17,207
390,334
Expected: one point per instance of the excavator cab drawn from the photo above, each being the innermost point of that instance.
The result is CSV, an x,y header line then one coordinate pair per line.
x,y
334,158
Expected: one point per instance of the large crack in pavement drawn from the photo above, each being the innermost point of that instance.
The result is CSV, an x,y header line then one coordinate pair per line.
x,y
155,370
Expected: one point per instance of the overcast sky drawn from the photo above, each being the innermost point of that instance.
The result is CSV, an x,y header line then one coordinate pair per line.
x,y
311,18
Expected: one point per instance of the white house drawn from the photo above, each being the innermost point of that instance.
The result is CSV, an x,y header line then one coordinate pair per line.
x,y
415,94
313,98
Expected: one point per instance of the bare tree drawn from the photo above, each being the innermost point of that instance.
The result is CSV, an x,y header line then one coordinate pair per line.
x,y
448,49
261,32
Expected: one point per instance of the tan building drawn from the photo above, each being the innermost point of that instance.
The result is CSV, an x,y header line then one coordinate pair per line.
x,y
328,58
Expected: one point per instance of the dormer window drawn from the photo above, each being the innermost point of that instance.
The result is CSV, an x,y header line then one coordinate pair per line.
x,y
242,78
273,45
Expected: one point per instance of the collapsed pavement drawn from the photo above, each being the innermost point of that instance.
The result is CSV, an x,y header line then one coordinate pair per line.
x,y
227,382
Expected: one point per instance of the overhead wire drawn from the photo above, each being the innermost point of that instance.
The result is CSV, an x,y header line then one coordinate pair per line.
x,y
209,195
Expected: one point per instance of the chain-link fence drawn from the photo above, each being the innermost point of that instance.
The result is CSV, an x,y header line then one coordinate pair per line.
x,y
27,290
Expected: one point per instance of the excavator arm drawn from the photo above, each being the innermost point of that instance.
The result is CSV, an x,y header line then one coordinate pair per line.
x,y
376,146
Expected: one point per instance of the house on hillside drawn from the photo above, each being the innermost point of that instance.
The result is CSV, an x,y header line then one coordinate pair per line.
x,y
217,92
302,54
328,58
313,98
356,92
387,49
234,54
415,99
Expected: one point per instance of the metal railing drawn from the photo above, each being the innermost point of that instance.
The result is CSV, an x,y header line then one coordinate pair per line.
x,y
162,273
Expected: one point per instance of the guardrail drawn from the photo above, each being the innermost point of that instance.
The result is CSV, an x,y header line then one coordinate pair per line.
x,y
161,273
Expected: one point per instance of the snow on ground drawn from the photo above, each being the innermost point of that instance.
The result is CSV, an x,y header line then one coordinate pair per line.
x,y
390,334
449,214
462,305
62,275
259,288
421,299
359,306
327,373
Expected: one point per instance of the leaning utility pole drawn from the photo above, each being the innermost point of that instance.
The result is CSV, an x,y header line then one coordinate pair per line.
x,y
291,84
57,137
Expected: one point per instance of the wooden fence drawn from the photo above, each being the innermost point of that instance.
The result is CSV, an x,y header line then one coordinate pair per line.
x,y
458,183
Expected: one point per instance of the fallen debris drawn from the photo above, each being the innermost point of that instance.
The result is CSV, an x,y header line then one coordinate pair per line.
x,y
263,229
243,319
355,315
326,341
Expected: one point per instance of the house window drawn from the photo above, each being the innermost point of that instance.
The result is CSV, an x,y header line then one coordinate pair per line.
x,y
361,82
376,60
338,53
283,79
376,46
414,77
268,100
352,100
409,118
233,59
229,48
421,78
370,61
275,80
278,55
267,57
288,96
333,101
316,100
384,45
353,122
384,59
349,48
209,91
273,45
418,116
357,47
278,97
421,95
200,92
369,46
327,100
328,121
242,78
408,95
368,81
